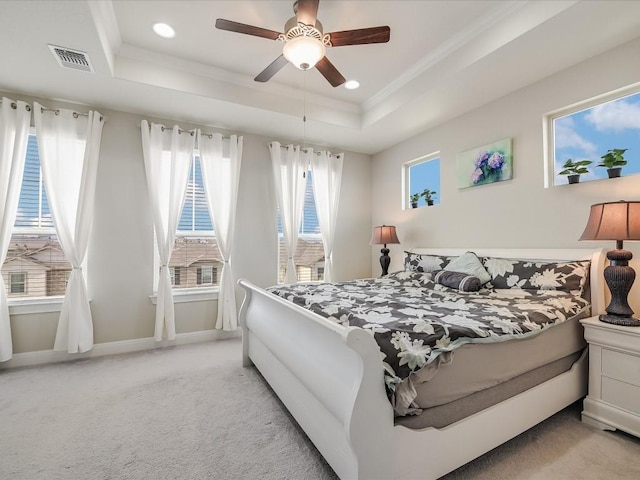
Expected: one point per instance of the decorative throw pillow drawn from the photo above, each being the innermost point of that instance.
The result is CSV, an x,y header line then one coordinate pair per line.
x,y
470,264
532,275
420,262
460,281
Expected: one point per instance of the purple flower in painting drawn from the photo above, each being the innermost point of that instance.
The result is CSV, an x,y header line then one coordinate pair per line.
x,y
496,161
477,175
482,159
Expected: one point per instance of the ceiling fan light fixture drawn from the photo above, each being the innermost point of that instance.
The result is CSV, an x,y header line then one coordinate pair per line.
x,y
304,52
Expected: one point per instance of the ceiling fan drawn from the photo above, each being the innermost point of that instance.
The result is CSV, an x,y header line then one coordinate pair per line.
x,y
305,43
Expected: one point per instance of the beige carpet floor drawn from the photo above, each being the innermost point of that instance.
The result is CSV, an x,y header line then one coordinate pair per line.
x,y
192,412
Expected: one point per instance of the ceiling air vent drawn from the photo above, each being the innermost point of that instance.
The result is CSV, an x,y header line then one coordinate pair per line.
x,y
74,59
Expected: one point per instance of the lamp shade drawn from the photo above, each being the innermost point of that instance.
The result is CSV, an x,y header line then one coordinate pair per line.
x,y
304,52
613,221
384,234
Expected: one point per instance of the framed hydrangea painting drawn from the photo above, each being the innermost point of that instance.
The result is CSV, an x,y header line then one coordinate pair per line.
x,y
486,164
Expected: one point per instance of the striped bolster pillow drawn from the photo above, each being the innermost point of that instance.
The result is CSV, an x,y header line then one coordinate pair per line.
x,y
457,280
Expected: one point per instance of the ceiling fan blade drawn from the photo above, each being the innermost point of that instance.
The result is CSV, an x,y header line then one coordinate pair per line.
x,y
307,11
232,26
272,69
330,72
360,36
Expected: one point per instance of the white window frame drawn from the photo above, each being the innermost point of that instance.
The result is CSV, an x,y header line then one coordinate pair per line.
x,y
45,304
406,167
184,295
548,136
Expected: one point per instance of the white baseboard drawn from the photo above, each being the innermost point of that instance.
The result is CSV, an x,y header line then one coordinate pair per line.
x,y
114,348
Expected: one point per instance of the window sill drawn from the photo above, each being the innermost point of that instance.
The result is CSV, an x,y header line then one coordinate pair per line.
x,y
29,305
190,295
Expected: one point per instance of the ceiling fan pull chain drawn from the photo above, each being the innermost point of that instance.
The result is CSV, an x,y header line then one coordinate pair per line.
x,y
304,109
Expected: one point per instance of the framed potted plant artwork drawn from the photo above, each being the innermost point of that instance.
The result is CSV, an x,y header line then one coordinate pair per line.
x,y
485,164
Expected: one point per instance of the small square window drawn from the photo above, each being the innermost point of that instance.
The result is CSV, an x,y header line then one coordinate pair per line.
x,y
595,140
422,181
207,275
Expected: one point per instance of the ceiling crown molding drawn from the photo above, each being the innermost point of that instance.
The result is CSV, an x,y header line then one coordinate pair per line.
x,y
545,10
104,17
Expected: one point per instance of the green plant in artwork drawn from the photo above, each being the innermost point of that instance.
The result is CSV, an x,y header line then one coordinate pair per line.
x,y
575,168
613,158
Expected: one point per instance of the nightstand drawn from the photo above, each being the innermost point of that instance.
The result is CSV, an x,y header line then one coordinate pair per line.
x,y
614,376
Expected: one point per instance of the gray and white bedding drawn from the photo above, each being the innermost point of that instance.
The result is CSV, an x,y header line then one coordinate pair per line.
x,y
418,322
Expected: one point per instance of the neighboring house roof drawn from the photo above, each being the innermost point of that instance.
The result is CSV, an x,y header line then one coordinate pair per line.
x,y
40,251
9,261
308,253
189,251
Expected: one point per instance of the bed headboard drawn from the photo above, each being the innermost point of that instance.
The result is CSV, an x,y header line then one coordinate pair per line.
x,y
597,257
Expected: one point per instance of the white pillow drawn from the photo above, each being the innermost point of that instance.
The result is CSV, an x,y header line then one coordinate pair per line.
x,y
470,264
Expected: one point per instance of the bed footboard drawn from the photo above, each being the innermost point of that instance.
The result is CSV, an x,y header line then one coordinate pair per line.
x,y
329,377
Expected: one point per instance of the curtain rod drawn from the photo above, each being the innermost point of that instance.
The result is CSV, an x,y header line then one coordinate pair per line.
x,y
14,105
191,132
75,114
306,149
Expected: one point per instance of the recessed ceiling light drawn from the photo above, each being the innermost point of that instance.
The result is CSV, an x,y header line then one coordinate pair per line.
x,y
352,85
163,30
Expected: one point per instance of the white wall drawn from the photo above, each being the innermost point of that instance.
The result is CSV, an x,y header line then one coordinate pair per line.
x,y
121,247
519,212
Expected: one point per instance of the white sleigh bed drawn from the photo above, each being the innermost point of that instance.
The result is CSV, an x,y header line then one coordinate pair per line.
x,y
330,378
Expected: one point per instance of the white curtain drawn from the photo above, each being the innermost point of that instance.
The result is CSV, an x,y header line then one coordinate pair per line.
x,y
167,159
326,171
14,134
69,147
221,176
289,166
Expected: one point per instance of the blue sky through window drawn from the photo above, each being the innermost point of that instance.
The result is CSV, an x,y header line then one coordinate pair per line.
x,y
588,134
425,175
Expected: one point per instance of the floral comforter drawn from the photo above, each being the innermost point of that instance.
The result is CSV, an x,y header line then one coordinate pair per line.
x,y
414,320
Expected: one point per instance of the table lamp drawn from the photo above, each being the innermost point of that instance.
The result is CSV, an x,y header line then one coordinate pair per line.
x,y
381,236
617,221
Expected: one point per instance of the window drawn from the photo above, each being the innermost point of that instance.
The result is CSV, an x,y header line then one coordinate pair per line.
x,y
422,181
588,131
309,256
195,244
18,283
207,275
174,272
35,265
